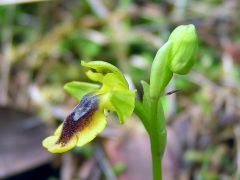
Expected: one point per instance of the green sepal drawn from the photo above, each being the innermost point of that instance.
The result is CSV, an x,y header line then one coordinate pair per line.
x,y
112,82
79,89
104,68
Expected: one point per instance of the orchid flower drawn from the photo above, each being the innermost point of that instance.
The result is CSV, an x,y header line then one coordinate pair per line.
x,y
87,119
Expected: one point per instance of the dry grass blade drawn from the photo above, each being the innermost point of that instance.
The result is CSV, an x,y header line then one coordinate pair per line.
x,y
6,2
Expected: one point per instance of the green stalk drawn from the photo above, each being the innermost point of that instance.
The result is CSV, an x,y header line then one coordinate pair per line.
x,y
156,162
157,137
154,123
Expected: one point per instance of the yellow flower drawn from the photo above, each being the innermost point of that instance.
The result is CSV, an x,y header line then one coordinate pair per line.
x,y
87,119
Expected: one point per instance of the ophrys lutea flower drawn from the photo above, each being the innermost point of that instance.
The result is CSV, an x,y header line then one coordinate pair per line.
x,y
87,119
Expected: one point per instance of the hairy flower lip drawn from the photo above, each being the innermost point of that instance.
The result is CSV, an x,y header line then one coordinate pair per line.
x,y
79,118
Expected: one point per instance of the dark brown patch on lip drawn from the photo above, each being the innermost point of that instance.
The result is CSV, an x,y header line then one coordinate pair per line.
x,y
78,119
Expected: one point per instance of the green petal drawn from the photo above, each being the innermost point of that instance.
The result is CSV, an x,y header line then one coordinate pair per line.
x,y
104,68
50,144
79,89
95,76
89,132
122,102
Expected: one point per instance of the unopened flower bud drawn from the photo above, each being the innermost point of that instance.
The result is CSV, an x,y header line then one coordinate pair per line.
x,y
184,49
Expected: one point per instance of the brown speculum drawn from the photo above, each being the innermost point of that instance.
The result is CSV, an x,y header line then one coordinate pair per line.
x,y
79,118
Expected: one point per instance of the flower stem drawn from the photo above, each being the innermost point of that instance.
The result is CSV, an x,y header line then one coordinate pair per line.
x,y
154,123
157,137
156,161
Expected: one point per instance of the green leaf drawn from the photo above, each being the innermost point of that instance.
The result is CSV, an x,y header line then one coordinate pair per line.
x,y
143,109
160,124
195,156
146,97
160,72
165,103
141,113
119,168
79,89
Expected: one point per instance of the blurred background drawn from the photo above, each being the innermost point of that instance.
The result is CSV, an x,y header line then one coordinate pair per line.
x,y
41,45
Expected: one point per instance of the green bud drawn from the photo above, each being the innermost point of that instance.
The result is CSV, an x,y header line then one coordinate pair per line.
x,y
184,49
177,55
